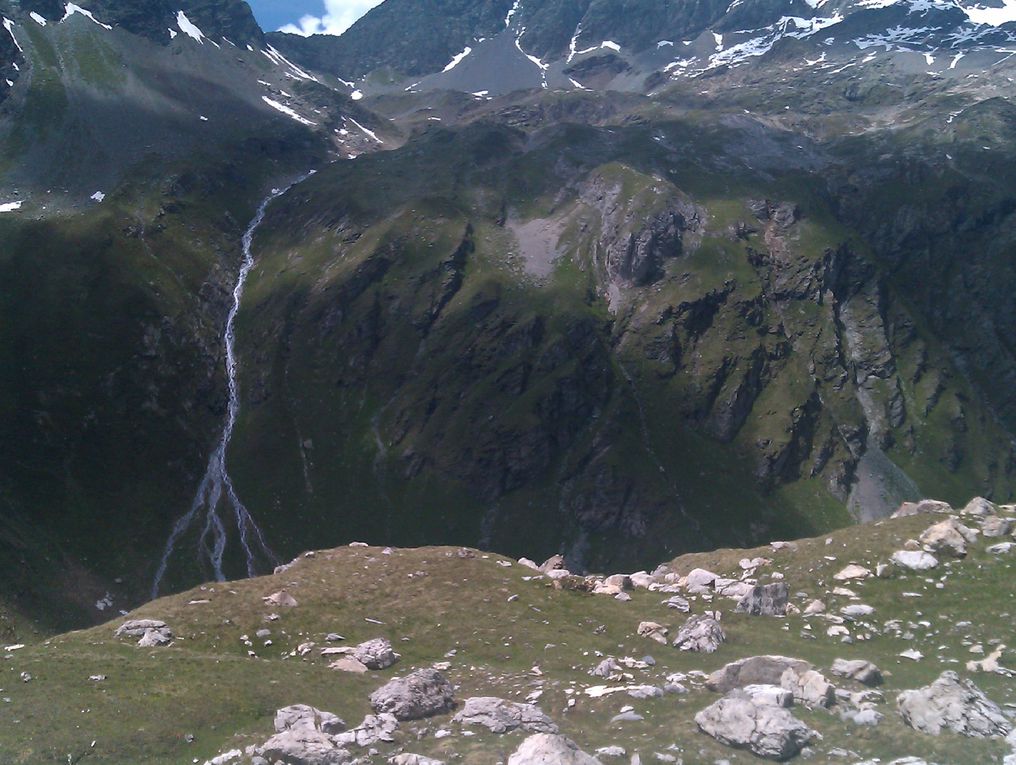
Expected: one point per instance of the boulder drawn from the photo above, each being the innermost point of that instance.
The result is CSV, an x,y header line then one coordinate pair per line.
x,y
376,654
621,581
373,729
501,716
810,688
302,715
853,571
606,668
952,704
281,598
868,717
423,693
1002,548
755,670
915,560
413,759
978,507
995,526
700,633
766,731
136,628
156,638
815,607
550,749
949,537
857,611
678,603
304,736
553,563
859,670
765,600
653,631
700,580
908,509
349,664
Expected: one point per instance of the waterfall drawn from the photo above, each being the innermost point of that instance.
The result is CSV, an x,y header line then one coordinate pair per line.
x,y
216,488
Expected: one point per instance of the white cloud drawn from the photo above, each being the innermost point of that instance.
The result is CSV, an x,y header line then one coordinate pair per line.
x,y
339,16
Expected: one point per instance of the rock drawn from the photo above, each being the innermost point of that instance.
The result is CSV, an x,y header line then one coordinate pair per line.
x,y
770,695
700,633
550,749
348,664
553,563
606,668
423,693
700,580
501,716
1002,548
949,537
859,670
621,581
853,571
301,738
978,507
952,704
765,600
653,631
815,607
627,716
611,751
302,715
153,633
857,611
642,581
376,654
678,603
529,564
868,717
281,598
915,560
136,628
919,508
810,688
755,670
156,638
995,526
413,759
766,731
373,730
225,758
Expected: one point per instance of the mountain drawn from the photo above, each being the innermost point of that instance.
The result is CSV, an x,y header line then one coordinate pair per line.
x,y
615,280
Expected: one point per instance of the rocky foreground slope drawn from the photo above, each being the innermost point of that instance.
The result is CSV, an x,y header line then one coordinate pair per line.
x,y
873,644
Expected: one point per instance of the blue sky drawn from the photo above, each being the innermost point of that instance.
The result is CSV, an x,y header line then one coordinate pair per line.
x,y
310,16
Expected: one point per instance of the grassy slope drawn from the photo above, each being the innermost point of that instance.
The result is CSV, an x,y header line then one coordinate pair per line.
x,y
432,601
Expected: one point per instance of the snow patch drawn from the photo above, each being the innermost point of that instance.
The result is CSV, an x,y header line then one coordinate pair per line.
x,y
189,28
993,16
511,14
37,19
356,95
287,111
9,26
457,59
98,196
368,133
7,207
70,9
610,44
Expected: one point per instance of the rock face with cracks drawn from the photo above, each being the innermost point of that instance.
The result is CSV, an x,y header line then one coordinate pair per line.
x,y
765,600
765,730
700,633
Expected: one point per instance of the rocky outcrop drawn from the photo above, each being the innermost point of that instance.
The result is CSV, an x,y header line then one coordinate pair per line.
x,y
949,537
859,670
305,736
765,730
423,693
914,560
151,633
501,716
809,688
952,704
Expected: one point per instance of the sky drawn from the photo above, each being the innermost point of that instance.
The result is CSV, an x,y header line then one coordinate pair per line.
x,y
310,16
